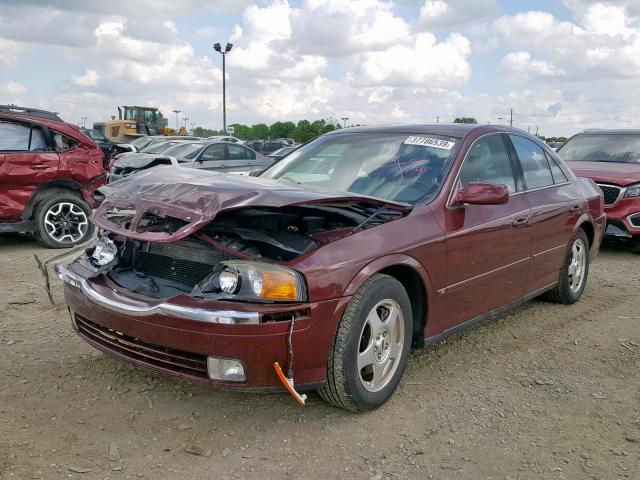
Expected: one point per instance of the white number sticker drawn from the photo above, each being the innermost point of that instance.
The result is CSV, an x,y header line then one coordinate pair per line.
x,y
430,142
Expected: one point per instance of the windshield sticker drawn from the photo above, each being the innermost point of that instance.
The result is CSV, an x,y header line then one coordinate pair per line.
x,y
430,142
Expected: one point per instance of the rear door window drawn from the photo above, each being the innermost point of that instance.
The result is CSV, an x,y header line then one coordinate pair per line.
x,y
237,152
556,171
537,173
213,152
18,137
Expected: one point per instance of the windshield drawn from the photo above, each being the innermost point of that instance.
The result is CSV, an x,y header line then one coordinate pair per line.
x,y
157,147
185,151
141,142
622,148
95,135
391,166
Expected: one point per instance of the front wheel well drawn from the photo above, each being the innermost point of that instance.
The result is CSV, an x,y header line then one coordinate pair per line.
x,y
45,191
415,288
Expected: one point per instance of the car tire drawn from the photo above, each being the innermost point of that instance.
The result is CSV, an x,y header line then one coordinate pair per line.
x,y
574,273
62,221
371,347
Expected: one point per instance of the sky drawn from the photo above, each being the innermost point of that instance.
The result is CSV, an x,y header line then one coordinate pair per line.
x,y
562,66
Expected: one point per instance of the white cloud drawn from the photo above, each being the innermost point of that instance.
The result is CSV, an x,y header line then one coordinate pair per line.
x,y
605,44
522,64
12,88
426,63
9,51
89,79
453,13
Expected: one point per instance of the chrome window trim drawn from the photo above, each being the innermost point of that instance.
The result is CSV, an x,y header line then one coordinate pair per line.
x,y
621,194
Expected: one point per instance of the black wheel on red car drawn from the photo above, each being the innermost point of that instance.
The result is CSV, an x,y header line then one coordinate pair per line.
x,y
574,273
371,347
62,221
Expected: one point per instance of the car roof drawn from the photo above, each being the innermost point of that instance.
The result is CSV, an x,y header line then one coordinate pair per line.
x,y
459,130
611,131
57,125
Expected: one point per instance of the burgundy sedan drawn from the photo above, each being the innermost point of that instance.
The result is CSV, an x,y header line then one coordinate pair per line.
x,y
322,272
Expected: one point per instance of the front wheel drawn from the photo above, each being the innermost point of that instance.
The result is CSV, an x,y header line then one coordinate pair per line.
x,y
574,273
62,221
371,347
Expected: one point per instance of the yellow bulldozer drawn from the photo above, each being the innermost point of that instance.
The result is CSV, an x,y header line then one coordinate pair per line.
x,y
136,121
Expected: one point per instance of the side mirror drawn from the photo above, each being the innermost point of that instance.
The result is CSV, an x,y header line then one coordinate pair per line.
x,y
483,194
255,173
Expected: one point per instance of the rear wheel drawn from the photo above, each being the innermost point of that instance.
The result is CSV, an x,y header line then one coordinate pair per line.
x,y
371,347
62,221
574,273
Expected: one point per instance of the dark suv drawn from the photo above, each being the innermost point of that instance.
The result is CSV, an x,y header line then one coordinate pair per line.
x,y
48,172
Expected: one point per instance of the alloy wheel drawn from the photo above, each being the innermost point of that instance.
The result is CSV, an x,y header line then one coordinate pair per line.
x,y
381,345
577,265
66,222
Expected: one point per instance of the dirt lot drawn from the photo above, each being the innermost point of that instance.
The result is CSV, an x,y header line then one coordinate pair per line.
x,y
545,391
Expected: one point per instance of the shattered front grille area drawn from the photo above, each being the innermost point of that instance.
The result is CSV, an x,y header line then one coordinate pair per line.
x,y
177,262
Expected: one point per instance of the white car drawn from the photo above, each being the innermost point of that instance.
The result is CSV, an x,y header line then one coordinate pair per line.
x,y
220,138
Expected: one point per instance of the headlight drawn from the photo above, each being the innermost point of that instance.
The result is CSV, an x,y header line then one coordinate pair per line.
x,y
260,281
633,191
104,252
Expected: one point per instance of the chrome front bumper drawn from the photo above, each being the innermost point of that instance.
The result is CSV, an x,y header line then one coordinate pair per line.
x,y
137,308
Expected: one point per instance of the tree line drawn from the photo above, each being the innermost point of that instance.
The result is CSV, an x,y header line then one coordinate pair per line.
x,y
301,132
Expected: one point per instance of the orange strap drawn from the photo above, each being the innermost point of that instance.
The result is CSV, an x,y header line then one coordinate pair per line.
x,y
299,398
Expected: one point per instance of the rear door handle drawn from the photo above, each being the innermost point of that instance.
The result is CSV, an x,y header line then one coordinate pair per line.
x,y
520,222
39,166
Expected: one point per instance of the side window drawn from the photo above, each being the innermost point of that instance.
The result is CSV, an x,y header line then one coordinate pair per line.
x,y
488,162
237,152
37,140
534,163
63,143
14,137
213,153
556,171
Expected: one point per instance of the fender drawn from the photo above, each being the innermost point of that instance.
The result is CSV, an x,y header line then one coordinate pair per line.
x,y
61,185
381,263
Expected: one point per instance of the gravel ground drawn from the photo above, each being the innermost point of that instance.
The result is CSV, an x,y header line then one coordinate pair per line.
x,y
543,392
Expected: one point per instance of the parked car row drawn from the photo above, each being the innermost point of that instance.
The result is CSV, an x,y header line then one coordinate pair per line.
x,y
324,270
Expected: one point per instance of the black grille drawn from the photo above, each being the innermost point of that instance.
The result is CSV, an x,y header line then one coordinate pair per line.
x,y
179,361
178,263
611,193
635,220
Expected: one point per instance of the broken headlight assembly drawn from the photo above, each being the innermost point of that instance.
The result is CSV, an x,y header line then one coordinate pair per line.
x,y
247,280
104,252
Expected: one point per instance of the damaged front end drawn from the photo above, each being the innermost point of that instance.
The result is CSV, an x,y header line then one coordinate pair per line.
x,y
211,267
241,255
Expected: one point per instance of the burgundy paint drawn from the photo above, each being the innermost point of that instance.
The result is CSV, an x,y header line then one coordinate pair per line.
x,y
471,259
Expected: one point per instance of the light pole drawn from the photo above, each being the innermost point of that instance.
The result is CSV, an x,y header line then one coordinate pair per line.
x,y
344,119
185,122
177,112
227,49
84,121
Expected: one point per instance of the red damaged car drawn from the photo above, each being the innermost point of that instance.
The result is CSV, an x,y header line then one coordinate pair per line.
x,y
611,158
323,271
48,173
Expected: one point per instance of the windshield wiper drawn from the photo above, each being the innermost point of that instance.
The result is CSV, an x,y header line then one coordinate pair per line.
x,y
375,214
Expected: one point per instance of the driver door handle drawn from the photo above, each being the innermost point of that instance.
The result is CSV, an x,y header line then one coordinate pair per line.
x,y
520,222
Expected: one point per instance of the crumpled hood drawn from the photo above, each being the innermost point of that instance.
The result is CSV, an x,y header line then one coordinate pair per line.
x,y
622,174
136,160
196,196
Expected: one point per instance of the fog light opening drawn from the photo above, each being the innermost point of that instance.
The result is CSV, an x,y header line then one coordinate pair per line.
x,y
226,369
